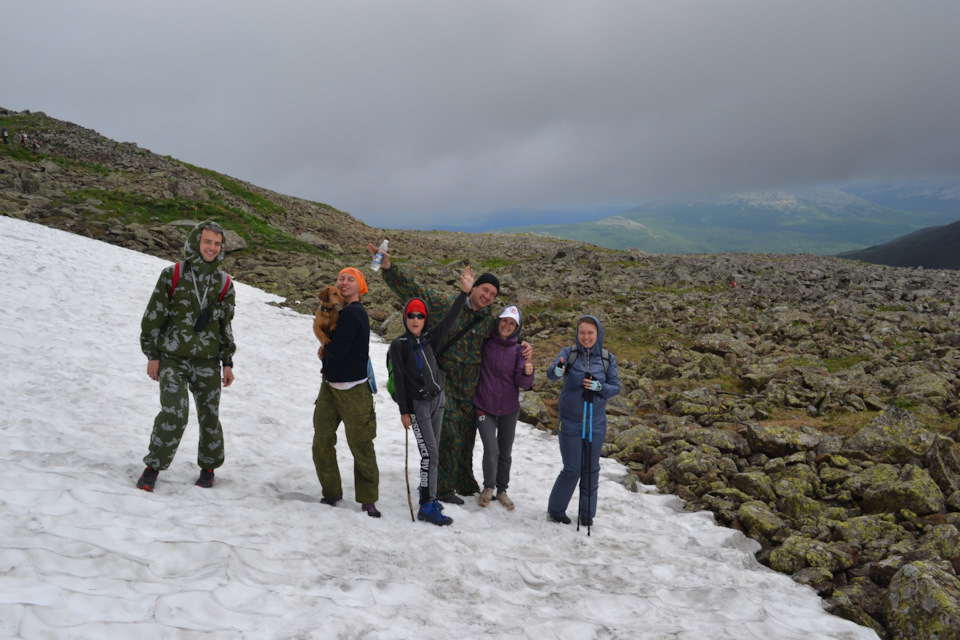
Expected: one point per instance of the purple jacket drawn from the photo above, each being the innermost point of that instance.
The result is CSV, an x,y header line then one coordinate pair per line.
x,y
501,377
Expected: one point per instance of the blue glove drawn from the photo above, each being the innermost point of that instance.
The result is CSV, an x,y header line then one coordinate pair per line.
x,y
558,371
594,385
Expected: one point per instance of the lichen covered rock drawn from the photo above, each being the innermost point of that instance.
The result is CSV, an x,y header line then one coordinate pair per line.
x,y
924,602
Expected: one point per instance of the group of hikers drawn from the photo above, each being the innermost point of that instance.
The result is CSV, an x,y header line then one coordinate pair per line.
x,y
24,139
457,370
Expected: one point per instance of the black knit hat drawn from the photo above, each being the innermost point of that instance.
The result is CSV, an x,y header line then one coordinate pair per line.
x,y
487,278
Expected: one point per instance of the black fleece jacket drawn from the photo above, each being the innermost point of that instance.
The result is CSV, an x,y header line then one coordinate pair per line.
x,y
345,358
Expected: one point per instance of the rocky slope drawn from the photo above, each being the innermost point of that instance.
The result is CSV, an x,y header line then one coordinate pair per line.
x,y
808,401
930,248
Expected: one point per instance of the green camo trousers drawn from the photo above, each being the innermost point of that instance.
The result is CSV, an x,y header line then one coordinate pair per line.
x,y
457,437
354,407
202,378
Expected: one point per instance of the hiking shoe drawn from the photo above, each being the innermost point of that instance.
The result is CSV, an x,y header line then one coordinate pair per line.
x,y
433,512
148,479
371,510
332,500
450,498
586,522
505,501
562,519
485,497
206,478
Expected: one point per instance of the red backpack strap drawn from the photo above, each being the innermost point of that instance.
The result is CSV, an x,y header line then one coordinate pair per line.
x,y
176,279
226,286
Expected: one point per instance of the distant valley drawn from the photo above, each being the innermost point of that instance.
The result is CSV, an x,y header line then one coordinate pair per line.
x,y
821,221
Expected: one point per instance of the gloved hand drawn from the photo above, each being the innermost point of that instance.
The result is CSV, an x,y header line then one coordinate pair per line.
x,y
558,371
594,385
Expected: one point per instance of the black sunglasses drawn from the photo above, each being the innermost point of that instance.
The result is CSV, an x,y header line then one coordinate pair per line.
x,y
416,316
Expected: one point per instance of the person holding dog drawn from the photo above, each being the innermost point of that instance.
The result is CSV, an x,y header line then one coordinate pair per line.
x,y
459,356
186,335
419,392
345,396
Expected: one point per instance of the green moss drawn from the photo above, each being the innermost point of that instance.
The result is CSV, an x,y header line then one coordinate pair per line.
x,y
80,165
128,208
492,264
231,186
841,364
711,289
17,152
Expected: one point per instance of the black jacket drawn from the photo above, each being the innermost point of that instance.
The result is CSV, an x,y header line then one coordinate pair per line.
x,y
416,375
345,358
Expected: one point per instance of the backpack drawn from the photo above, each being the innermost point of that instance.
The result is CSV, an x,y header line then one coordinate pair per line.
x,y
391,387
575,351
224,279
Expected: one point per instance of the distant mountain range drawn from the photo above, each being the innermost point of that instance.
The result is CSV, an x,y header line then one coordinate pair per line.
x,y
941,196
822,221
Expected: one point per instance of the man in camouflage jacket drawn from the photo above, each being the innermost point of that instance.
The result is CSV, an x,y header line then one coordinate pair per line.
x,y
186,335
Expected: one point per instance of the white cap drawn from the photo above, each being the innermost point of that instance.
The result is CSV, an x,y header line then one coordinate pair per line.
x,y
511,312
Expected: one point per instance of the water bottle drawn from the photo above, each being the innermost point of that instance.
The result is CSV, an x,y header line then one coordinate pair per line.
x,y
378,256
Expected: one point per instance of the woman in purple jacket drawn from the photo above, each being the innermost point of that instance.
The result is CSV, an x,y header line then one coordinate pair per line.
x,y
503,373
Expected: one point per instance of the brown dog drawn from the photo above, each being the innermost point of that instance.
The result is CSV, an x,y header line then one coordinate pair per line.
x,y
328,312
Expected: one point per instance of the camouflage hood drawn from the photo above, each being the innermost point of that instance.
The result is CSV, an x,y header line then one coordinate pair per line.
x,y
191,249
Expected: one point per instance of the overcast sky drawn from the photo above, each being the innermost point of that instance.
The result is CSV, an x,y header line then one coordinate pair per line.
x,y
419,113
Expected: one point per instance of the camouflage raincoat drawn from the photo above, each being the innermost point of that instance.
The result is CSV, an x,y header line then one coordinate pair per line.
x,y
189,355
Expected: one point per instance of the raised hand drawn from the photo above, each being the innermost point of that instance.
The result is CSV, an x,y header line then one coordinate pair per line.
x,y
558,370
466,279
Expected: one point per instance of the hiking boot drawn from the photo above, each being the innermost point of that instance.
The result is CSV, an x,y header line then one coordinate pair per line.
x,y
450,498
433,512
586,522
505,501
206,478
562,519
332,500
371,510
148,479
485,497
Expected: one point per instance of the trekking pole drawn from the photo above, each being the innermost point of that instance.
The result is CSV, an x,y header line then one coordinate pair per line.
x,y
406,474
583,450
587,445
590,473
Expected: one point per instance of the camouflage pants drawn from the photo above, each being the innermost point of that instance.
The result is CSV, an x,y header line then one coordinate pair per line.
x,y
457,437
202,378
354,407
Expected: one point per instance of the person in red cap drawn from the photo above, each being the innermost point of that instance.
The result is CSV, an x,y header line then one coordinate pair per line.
x,y
418,382
345,396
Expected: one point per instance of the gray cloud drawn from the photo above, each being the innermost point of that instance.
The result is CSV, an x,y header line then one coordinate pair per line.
x,y
421,113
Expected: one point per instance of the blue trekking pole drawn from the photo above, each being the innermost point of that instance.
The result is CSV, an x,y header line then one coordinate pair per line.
x,y
586,446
